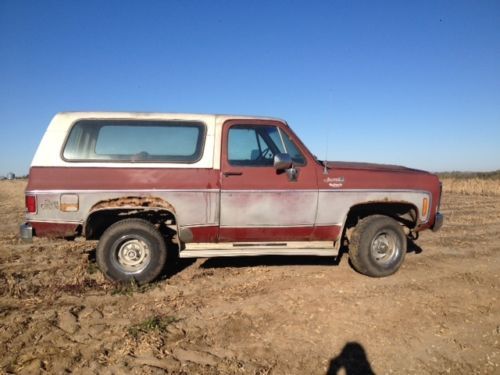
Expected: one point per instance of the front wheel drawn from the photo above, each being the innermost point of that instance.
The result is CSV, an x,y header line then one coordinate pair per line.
x,y
131,249
378,246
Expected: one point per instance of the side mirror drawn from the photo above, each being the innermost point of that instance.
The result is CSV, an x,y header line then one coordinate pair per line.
x,y
282,161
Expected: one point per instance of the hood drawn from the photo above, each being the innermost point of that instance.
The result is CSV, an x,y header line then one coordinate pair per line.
x,y
371,167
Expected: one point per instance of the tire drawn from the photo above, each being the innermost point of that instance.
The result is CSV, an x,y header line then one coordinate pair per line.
x,y
131,249
378,246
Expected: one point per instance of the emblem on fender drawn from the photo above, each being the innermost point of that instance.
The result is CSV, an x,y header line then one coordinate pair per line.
x,y
335,182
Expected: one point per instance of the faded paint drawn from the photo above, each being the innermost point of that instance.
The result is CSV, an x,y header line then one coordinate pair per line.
x,y
191,207
343,200
256,203
79,178
263,208
259,197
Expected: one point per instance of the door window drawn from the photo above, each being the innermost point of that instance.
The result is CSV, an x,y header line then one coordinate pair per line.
x,y
256,145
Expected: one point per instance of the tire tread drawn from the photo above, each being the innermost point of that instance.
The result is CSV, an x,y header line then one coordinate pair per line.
x,y
360,241
159,255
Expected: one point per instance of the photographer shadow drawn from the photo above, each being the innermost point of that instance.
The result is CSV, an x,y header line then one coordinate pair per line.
x,y
352,359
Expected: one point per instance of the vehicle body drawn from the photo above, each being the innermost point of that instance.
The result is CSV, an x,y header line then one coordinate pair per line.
x,y
216,185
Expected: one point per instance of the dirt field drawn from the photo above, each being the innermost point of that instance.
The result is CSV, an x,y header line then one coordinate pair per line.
x,y
439,314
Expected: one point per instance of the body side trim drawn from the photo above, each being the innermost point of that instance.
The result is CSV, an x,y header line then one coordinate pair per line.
x,y
61,191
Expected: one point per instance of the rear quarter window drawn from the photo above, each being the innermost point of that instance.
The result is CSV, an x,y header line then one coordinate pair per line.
x,y
135,141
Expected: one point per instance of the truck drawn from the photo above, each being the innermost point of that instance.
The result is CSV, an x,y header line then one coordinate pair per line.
x,y
150,187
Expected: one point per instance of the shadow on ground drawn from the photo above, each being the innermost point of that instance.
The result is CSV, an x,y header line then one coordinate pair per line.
x,y
176,265
290,260
274,260
352,359
412,247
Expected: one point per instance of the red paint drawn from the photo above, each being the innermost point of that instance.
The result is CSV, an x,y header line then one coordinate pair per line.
x,y
257,178
44,229
99,178
205,234
382,177
326,233
330,233
266,178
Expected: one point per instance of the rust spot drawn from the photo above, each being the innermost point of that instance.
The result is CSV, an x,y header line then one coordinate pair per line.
x,y
147,202
68,207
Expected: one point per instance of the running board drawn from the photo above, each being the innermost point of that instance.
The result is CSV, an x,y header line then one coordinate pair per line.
x,y
211,250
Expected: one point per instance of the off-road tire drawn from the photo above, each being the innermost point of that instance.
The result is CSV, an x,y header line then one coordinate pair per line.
x,y
370,237
127,242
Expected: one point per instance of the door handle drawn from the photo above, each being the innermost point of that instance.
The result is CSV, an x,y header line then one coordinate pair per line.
x,y
227,174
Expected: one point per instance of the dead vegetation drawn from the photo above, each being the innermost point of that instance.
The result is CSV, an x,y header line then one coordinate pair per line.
x,y
439,314
471,183
492,175
157,323
471,186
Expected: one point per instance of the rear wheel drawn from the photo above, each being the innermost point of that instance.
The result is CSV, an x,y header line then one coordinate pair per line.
x,y
131,249
378,246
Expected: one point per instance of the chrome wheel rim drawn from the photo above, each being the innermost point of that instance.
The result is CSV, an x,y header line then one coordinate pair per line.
x,y
133,255
385,247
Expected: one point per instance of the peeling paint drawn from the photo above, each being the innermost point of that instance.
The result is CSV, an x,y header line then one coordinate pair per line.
x,y
147,202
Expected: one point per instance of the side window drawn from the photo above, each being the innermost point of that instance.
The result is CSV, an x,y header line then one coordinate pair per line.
x,y
135,141
256,145
242,144
253,145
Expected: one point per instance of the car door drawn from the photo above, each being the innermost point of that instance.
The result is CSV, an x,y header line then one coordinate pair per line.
x,y
258,202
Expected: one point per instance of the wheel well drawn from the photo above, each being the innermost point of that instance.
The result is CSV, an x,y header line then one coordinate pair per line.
x,y
98,221
405,213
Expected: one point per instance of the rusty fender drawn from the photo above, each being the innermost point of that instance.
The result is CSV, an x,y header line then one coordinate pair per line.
x,y
136,204
141,203
131,205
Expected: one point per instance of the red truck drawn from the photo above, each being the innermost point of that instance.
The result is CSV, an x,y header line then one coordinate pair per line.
x,y
216,185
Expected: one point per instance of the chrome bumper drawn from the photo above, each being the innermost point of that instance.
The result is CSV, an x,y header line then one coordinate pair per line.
x,y
438,222
26,232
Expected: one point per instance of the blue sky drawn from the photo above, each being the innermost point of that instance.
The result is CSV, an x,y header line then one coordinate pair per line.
x,y
413,83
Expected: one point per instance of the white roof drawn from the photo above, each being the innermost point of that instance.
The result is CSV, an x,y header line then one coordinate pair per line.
x,y
205,117
48,152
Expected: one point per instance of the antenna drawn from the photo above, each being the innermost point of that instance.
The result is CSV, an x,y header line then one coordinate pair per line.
x,y
325,162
